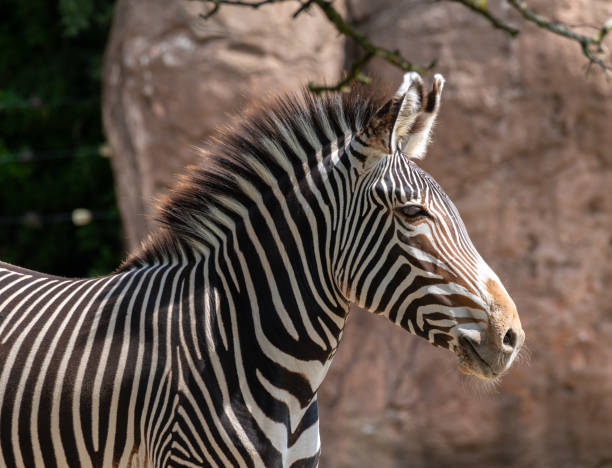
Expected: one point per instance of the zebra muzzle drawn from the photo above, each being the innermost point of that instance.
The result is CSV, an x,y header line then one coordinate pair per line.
x,y
486,358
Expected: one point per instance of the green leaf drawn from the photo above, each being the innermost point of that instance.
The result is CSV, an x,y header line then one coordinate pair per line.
x,y
76,15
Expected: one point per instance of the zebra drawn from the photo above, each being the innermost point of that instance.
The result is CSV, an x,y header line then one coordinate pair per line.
x,y
208,344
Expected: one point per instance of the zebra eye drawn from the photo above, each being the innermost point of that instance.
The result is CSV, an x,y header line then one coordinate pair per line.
x,y
413,211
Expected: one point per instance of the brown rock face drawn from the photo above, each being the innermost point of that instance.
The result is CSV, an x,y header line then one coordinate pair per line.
x,y
523,147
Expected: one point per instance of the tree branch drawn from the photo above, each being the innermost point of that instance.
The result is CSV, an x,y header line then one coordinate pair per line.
x,y
480,7
592,46
354,74
391,56
363,42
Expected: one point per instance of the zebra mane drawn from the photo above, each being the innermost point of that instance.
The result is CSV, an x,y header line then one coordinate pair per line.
x,y
255,148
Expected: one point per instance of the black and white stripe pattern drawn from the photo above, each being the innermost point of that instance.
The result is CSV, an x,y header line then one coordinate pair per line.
x,y
208,346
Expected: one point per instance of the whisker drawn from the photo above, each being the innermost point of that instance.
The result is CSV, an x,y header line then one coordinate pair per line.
x,y
524,356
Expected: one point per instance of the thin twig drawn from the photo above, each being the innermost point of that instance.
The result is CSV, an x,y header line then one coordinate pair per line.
x,y
553,26
303,7
480,7
370,49
591,46
214,10
354,74
391,56
605,29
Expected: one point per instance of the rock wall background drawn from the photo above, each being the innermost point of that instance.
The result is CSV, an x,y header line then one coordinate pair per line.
x,y
524,148
171,79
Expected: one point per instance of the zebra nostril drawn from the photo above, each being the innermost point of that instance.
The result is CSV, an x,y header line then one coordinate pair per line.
x,y
510,338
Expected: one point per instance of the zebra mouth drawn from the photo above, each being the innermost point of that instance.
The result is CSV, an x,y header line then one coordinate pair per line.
x,y
471,363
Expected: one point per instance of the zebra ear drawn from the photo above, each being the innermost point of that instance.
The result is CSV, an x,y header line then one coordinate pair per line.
x,y
412,127
403,123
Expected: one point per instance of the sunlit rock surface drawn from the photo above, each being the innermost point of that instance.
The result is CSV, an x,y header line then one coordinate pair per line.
x,y
171,78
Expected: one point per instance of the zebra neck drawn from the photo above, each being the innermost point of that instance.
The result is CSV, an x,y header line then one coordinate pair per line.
x,y
275,309
270,326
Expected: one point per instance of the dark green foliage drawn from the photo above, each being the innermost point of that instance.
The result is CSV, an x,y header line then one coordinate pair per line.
x,y
50,136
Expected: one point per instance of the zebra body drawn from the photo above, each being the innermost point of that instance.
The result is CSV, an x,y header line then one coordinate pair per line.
x,y
79,390
207,347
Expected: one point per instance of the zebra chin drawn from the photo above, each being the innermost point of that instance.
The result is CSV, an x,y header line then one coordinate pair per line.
x,y
472,363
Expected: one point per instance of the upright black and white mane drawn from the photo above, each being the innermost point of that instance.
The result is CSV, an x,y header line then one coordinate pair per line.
x,y
259,147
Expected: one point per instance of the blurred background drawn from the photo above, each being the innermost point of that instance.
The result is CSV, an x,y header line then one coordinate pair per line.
x,y
101,102
51,139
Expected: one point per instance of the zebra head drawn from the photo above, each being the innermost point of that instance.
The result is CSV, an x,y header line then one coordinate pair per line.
x,y
410,257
